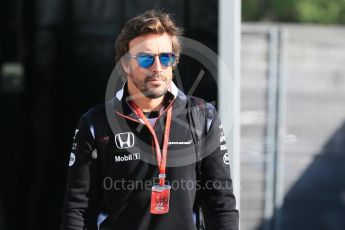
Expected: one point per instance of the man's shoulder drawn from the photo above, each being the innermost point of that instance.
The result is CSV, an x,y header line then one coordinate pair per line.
x,y
95,113
190,99
200,103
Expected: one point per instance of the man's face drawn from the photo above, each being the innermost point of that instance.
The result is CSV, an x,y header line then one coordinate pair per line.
x,y
154,81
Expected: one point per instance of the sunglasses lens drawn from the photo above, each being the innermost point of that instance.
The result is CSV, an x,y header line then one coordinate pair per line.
x,y
167,59
145,60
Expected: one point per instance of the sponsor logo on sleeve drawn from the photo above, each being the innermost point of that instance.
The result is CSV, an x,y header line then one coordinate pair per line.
x,y
71,159
74,146
226,158
222,135
94,154
75,133
223,147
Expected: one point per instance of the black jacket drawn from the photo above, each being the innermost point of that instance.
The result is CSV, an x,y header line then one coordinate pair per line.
x,y
113,167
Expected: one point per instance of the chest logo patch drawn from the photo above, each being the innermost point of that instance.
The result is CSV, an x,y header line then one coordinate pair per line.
x,y
180,142
124,140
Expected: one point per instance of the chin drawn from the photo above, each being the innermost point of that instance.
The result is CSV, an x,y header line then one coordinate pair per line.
x,y
154,94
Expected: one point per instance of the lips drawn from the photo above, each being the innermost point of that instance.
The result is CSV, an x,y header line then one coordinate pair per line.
x,y
155,79
155,76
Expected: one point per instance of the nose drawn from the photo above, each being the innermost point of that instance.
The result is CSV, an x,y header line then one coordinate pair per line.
x,y
156,66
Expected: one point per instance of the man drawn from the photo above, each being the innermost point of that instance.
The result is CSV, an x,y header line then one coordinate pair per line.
x,y
134,166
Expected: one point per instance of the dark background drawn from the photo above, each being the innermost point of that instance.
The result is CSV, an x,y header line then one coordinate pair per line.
x,y
65,51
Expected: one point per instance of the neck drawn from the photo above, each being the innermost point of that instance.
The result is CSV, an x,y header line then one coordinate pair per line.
x,y
144,103
148,105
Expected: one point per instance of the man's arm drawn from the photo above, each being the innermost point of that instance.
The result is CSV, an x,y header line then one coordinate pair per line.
x,y
219,204
82,198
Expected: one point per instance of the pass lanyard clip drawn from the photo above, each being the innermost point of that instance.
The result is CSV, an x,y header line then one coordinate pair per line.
x,y
161,155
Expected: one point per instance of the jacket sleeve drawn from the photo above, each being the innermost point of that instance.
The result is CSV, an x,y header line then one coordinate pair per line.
x,y
218,200
82,197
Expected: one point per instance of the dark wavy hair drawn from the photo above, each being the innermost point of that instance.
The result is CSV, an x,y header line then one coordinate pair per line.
x,y
152,21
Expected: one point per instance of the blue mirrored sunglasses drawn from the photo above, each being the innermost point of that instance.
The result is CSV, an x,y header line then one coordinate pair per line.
x,y
145,60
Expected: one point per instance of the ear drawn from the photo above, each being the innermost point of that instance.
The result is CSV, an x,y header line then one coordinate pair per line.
x,y
125,64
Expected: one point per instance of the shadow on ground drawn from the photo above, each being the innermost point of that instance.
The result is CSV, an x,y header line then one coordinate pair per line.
x,y
317,200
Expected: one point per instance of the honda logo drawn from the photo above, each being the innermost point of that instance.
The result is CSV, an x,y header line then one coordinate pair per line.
x,y
124,140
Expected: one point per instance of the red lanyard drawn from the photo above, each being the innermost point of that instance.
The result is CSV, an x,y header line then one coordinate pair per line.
x,y
161,156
